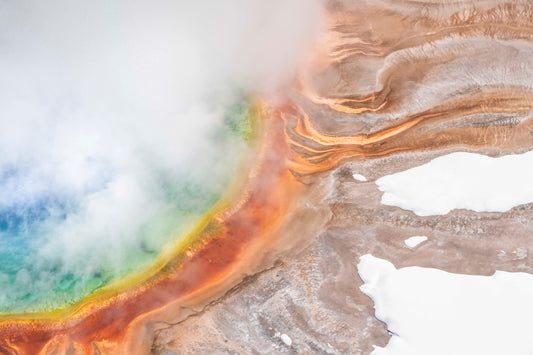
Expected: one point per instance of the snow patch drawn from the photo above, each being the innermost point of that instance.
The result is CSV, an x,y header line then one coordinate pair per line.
x,y
286,339
461,180
430,311
414,241
359,177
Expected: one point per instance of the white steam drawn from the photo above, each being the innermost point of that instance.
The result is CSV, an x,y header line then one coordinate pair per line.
x,y
99,98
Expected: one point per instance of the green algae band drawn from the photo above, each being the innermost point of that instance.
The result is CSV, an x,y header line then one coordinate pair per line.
x,y
64,237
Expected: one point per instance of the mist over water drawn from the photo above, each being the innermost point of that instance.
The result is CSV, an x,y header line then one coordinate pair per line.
x,y
117,128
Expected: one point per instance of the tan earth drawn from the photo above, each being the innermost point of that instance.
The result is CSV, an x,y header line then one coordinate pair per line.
x,y
393,85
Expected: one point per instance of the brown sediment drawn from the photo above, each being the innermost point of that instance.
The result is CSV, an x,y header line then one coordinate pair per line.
x,y
396,77
231,243
441,127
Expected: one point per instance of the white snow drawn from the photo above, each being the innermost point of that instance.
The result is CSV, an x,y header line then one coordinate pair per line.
x,y
286,339
359,177
430,311
413,241
461,180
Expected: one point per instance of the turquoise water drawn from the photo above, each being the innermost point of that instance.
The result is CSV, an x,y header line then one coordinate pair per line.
x,y
40,273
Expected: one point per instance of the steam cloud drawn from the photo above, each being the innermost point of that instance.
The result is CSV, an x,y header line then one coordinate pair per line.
x,y
100,99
